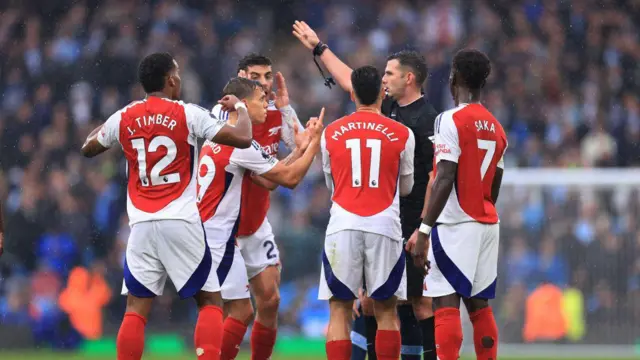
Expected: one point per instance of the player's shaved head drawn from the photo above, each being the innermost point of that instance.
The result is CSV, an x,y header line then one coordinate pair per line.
x,y
153,71
241,88
366,82
471,67
413,62
253,59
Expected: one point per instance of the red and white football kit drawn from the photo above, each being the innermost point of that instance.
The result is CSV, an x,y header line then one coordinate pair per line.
x,y
365,154
255,235
464,242
220,190
159,139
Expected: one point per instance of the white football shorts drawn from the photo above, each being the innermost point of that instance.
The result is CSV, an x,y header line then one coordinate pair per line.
x,y
167,247
464,260
351,254
259,250
236,282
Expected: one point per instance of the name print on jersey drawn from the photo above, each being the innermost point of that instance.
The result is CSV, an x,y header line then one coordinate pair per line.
x,y
484,125
151,120
363,126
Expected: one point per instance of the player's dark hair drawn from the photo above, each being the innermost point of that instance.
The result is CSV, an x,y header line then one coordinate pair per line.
x,y
153,70
240,87
472,67
253,59
415,62
366,82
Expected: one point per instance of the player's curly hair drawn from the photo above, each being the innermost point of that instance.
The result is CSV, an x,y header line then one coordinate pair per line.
x,y
253,59
241,88
473,66
153,69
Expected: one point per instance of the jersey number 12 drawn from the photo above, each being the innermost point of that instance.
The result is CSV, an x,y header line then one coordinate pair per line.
x,y
156,178
356,162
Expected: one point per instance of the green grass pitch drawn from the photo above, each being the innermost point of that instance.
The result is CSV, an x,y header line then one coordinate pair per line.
x,y
57,356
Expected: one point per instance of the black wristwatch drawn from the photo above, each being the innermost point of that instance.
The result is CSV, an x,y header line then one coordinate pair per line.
x,y
320,48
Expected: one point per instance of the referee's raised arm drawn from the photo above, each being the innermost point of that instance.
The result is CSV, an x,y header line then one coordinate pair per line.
x,y
338,69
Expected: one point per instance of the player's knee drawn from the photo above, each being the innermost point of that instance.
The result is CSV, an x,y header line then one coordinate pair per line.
x,y
422,307
269,302
205,298
241,310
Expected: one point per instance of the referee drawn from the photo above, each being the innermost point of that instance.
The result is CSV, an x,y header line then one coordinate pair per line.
x,y
405,74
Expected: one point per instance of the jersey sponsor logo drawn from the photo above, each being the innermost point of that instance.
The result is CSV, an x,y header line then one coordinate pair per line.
x,y
274,130
442,148
271,149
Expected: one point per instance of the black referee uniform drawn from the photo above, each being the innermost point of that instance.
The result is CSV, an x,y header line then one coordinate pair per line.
x,y
419,116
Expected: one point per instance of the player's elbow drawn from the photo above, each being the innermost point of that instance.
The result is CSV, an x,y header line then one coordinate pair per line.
x,y
243,142
405,191
291,180
86,150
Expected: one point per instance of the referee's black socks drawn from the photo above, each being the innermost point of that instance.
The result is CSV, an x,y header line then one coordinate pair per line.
x,y
410,332
371,329
429,338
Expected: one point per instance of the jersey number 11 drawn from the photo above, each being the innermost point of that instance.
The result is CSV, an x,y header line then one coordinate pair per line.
x,y
356,162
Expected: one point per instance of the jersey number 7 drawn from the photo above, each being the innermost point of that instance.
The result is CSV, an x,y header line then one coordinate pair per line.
x,y
356,162
490,147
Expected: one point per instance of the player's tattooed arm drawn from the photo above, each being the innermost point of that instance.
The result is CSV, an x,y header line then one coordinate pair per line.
x,y
291,175
92,146
495,186
338,69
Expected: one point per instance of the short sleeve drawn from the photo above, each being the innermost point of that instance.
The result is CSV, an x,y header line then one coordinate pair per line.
x,y
253,158
326,161
407,155
289,120
219,113
201,122
447,145
501,161
110,132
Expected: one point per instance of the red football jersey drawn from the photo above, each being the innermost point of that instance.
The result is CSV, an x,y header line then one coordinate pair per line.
x,y
158,137
470,136
220,186
256,199
366,153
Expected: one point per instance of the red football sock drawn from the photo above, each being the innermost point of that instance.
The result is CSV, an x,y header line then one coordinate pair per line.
x,y
130,341
388,344
448,333
234,331
263,339
485,334
339,350
208,334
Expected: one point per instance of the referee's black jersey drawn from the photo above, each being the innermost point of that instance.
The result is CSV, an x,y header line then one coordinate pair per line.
x,y
419,116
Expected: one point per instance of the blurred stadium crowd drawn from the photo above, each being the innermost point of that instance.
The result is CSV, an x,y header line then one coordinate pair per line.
x,y
565,84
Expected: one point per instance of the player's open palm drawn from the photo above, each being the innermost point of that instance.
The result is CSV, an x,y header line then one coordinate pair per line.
x,y
228,102
305,34
301,138
282,94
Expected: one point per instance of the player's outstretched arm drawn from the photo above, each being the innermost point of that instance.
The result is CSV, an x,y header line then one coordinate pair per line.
x,y
340,71
92,146
291,175
240,135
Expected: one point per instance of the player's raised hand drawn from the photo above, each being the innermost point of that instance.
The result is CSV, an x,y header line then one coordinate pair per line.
x,y
301,139
316,124
228,102
282,94
305,34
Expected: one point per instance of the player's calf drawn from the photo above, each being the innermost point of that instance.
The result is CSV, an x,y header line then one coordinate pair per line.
x,y
267,296
208,332
485,330
388,343
239,316
130,340
338,345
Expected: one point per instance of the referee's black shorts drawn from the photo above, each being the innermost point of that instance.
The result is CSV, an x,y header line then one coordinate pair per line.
x,y
415,280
